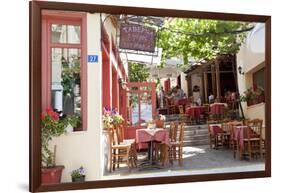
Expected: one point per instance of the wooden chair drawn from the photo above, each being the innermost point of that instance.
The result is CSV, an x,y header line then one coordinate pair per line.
x,y
172,109
214,140
207,112
176,143
184,117
253,140
119,153
133,157
181,109
226,135
161,150
234,143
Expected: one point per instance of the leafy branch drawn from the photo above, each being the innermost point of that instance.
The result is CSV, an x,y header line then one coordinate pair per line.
x,y
201,39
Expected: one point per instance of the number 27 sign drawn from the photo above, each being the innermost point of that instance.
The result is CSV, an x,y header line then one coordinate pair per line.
x,y
93,58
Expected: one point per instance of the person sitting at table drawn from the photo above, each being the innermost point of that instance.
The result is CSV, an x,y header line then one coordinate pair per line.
x,y
161,97
211,98
179,94
199,101
227,95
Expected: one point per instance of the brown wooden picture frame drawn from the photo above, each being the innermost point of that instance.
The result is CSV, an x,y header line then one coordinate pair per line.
x,y
35,94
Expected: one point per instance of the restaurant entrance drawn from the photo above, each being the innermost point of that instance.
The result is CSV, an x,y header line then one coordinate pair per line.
x,y
140,102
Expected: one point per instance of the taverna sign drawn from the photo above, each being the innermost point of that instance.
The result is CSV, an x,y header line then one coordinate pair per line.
x,y
137,37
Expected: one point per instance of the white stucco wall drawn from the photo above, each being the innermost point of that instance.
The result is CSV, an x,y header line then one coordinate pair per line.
x,y
254,48
183,83
84,148
196,80
251,58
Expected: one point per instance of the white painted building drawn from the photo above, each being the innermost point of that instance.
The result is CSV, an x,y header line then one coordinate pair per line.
x,y
251,59
83,148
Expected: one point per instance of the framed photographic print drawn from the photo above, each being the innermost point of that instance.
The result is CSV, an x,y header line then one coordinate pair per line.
x,y
125,96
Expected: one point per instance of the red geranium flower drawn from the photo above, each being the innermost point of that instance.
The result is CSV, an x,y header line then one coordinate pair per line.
x,y
43,115
54,115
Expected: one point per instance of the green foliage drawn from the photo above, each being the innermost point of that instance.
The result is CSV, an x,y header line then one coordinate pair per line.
x,y
74,120
78,172
111,118
54,126
251,94
158,84
51,126
70,76
200,39
138,72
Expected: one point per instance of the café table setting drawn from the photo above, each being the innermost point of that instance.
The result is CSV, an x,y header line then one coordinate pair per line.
x,y
151,136
195,112
243,136
218,109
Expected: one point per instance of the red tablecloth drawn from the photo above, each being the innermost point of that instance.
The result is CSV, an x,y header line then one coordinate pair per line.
x,y
195,112
215,129
181,102
217,108
147,135
240,133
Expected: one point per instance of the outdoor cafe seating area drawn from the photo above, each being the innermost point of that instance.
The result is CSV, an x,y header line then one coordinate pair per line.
x,y
196,114
244,138
164,145
162,142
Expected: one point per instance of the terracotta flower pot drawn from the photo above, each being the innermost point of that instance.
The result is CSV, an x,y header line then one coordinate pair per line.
x,y
51,175
159,123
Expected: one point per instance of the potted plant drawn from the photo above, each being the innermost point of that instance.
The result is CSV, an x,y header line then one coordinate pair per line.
x,y
160,121
107,119
78,175
260,95
253,96
117,119
111,118
52,125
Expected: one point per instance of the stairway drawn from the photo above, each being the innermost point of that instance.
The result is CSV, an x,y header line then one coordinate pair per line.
x,y
196,135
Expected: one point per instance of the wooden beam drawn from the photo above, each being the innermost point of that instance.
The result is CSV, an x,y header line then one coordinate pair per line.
x,y
218,82
213,80
202,94
189,86
205,86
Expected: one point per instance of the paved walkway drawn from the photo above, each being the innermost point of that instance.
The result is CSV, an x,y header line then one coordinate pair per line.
x,y
197,160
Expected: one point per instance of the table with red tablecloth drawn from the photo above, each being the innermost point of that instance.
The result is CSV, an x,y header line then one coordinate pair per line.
x,y
147,135
240,133
215,129
220,136
150,136
181,102
195,112
217,108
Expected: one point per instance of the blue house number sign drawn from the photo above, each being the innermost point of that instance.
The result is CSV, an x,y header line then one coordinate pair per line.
x,y
93,58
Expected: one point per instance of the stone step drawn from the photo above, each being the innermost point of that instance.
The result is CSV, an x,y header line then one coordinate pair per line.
x,y
196,143
196,137
196,132
195,127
